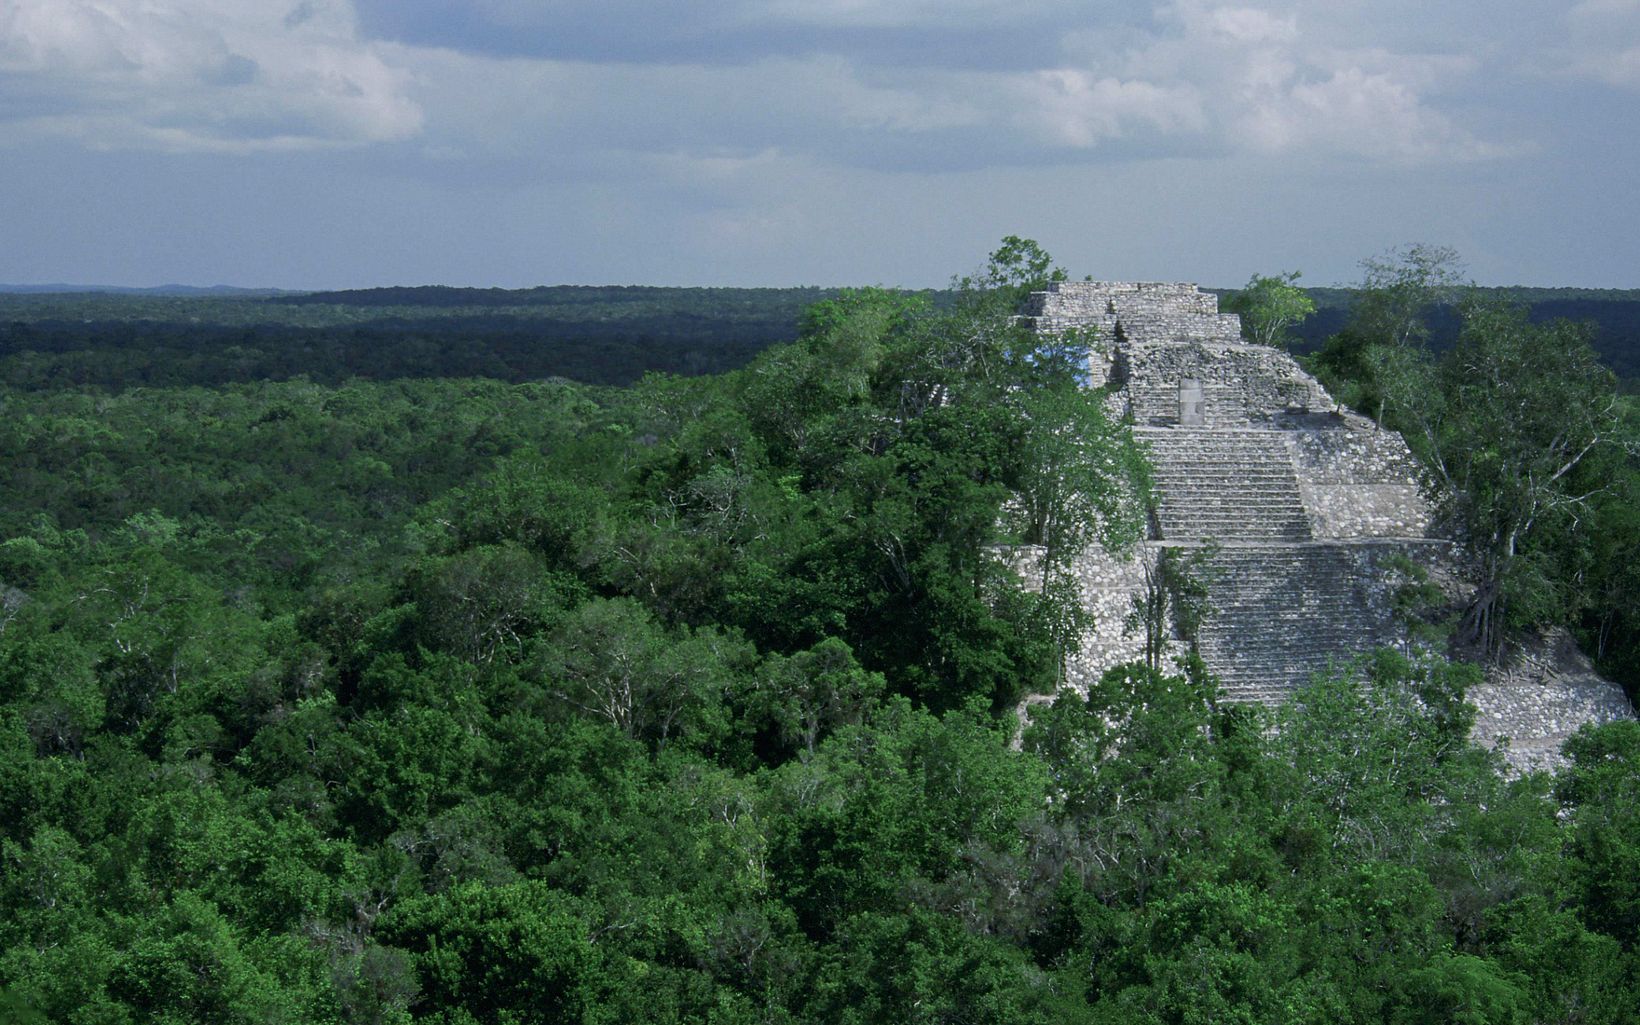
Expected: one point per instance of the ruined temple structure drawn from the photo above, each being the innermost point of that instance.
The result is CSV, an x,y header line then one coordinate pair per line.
x,y
1302,508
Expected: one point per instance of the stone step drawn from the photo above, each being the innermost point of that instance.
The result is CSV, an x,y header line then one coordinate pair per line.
x,y
1251,695
1264,493
1226,484
1256,478
1219,502
1185,465
1231,484
1251,509
1199,459
1300,659
1174,530
1237,524
1317,609
1278,615
1198,527
1276,630
1179,463
1207,532
1222,505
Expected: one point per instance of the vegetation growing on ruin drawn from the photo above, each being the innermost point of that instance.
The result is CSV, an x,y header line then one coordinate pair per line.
x,y
1271,308
453,699
1532,452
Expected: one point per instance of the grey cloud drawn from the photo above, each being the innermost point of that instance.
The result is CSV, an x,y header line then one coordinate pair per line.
x,y
1604,42
830,142
1189,76
989,36
300,14
1201,80
235,69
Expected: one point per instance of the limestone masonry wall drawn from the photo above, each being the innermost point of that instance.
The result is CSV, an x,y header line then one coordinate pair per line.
x,y
1542,693
1147,310
1241,384
1356,480
1349,449
1305,504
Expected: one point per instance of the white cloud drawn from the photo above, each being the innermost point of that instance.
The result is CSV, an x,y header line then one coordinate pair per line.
x,y
231,75
1354,110
1204,79
1251,25
1605,42
531,108
1604,10
1363,103
1073,108
1200,77
1270,81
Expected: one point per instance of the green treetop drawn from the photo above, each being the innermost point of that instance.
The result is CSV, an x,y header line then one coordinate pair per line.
x,y
1270,306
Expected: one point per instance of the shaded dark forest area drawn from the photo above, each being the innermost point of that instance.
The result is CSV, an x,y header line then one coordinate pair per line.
x,y
594,335
1613,314
396,677
597,335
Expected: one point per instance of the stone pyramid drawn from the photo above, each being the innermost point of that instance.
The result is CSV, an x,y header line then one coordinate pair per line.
x,y
1300,511
1303,505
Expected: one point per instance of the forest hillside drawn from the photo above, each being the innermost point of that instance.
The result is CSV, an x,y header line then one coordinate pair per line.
x,y
353,673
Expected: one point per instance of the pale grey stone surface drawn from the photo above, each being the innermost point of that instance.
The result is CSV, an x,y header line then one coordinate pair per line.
x,y
1108,583
1544,692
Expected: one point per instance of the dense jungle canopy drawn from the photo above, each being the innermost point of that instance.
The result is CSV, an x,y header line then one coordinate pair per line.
x,y
359,665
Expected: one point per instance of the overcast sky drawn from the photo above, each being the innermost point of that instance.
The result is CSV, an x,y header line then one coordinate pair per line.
x,y
348,143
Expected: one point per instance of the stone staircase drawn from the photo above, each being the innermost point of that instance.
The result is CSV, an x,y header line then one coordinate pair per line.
x,y
1226,484
1282,603
1306,500
1280,612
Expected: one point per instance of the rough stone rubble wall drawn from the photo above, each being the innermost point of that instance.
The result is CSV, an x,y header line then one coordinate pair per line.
x,y
1543,693
1241,384
1148,311
1108,582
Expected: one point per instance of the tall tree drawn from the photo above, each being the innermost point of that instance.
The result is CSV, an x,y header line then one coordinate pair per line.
x,y
1398,288
1389,321
1270,306
1503,421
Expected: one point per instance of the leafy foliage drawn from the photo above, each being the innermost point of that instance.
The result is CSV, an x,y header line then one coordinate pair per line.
x,y
453,700
1529,446
1270,307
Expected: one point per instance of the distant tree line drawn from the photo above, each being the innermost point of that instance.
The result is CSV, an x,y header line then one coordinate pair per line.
x,y
1615,321
593,334
115,355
